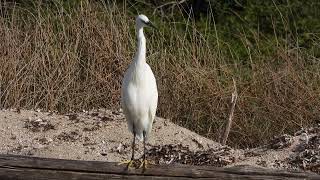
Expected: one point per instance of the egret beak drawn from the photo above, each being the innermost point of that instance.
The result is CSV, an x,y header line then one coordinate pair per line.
x,y
150,24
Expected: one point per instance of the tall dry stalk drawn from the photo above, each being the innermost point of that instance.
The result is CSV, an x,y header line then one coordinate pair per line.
x,y
234,98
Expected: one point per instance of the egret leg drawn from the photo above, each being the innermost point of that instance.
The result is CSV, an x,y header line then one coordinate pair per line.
x,y
130,162
133,146
144,163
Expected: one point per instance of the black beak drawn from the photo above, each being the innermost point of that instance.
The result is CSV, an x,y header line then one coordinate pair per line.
x,y
149,23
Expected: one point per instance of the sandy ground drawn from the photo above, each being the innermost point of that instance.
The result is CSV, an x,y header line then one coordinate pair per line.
x,y
102,135
98,135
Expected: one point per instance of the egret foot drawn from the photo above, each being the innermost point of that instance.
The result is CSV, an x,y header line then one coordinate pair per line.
x,y
129,163
144,164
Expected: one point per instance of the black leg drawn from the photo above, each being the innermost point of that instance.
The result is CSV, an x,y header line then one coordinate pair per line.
x,y
144,150
133,147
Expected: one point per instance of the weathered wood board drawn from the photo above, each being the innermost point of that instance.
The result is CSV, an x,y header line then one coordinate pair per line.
x,y
34,168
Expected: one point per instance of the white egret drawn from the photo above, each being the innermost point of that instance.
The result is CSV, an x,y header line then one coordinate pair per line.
x,y
139,95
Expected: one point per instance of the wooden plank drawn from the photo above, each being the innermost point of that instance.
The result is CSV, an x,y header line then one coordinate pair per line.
x,y
24,167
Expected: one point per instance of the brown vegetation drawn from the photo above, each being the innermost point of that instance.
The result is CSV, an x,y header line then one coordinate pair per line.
x,y
71,59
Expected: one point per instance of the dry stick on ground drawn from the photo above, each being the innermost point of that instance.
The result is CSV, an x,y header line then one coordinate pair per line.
x,y
233,103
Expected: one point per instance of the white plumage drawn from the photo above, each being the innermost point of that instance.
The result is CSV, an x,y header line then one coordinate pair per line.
x,y
139,95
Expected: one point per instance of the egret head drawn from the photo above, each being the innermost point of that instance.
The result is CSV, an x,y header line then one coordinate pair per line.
x,y
143,21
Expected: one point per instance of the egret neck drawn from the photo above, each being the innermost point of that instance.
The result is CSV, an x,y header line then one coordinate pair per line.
x,y
141,52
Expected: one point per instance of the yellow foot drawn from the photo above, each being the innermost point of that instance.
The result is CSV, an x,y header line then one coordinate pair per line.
x,y
144,164
129,163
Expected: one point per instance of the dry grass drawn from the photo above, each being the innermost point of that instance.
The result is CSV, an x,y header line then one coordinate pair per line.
x,y
65,60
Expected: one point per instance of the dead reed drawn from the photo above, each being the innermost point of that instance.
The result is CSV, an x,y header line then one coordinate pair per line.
x,y
69,59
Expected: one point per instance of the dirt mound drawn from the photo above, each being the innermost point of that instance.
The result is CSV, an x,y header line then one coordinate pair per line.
x,y
89,135
307,154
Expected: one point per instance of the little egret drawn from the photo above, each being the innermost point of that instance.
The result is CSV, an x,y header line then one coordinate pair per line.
x,y
139,95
